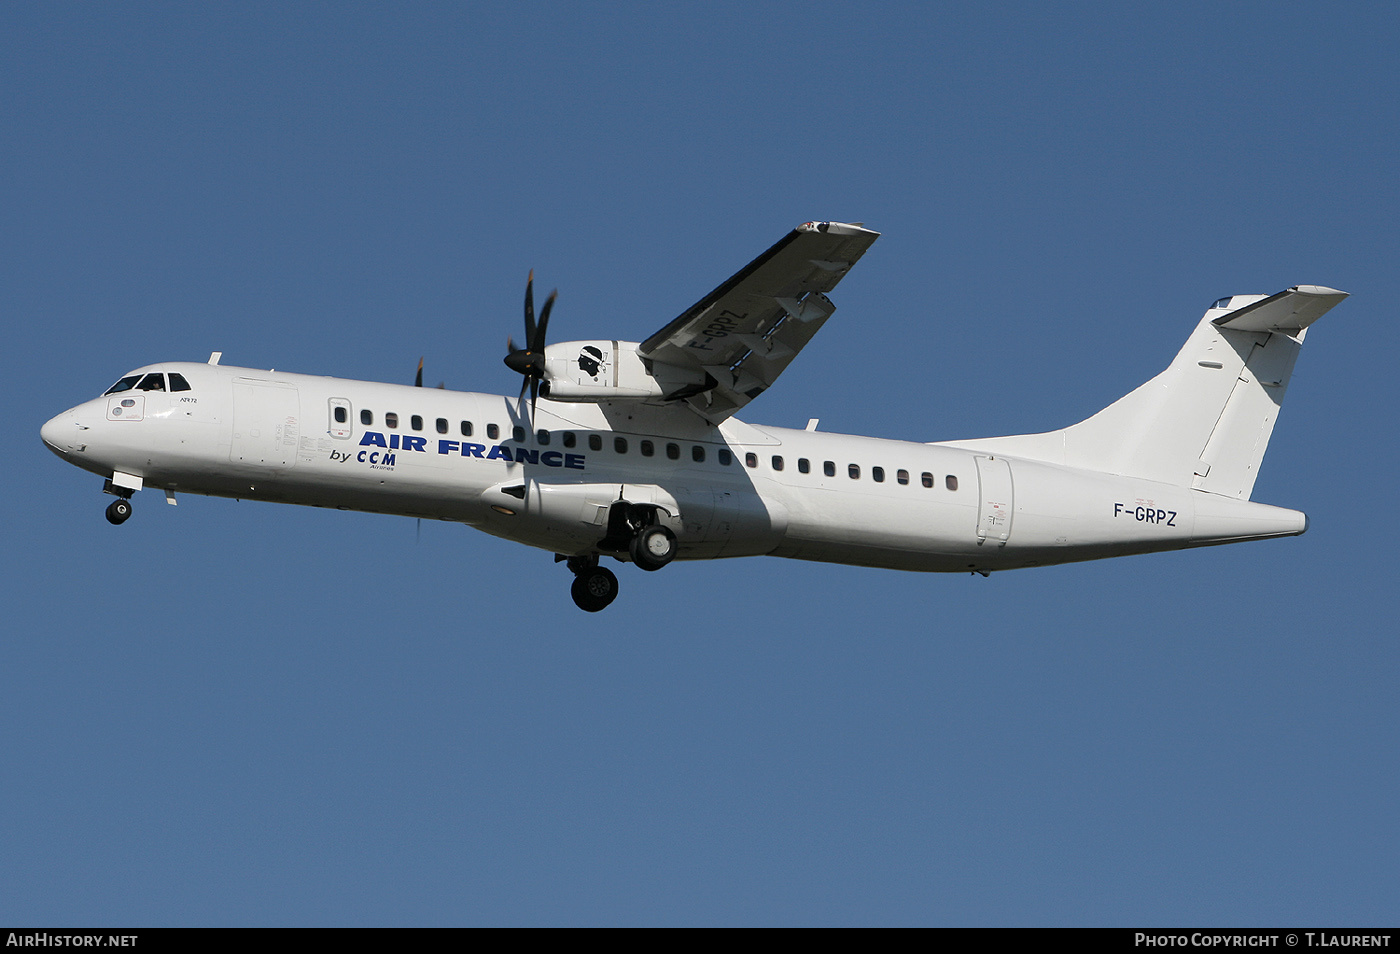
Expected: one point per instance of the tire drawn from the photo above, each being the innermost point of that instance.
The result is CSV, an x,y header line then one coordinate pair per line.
x,y
653,547
594,589
118,511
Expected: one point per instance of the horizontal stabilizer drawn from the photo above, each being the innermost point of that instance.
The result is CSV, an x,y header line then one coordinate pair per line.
x,y
1289,311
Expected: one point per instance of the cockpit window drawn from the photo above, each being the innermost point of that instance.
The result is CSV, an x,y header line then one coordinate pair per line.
x,y
125,384
178,382
152,382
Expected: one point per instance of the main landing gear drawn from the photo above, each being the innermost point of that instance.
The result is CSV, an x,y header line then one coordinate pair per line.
x,y
636,530
633,529
594,586
653,547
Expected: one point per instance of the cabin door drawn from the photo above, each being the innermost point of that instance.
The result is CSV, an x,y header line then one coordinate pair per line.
x,y
994,501
265,424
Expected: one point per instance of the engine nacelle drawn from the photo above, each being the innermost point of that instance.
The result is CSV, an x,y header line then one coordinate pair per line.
x,y
592,371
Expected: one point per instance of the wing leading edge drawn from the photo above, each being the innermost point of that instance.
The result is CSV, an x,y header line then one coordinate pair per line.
x,y
745,332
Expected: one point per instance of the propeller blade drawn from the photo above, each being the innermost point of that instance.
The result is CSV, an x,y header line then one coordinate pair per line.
x,y
537,343
529,361
418,379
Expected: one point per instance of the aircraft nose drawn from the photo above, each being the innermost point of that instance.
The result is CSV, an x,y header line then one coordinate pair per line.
x,y
61,433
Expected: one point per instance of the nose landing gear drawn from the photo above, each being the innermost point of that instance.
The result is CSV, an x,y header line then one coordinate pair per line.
x,y
118,511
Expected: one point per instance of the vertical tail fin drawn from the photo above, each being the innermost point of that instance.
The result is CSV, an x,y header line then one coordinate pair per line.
x,y
1206,420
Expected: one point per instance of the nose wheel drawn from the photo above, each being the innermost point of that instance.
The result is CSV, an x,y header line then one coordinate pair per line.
x,y
118,511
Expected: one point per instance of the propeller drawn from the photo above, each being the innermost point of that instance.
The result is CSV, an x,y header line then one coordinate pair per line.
x,y
529,361
418,378
418,383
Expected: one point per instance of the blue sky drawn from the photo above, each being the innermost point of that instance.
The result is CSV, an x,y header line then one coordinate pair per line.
x,y
239,713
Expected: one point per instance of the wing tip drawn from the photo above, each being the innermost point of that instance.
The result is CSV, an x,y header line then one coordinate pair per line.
x,y
1321,291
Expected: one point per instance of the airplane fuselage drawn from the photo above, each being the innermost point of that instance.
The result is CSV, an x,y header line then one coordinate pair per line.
x,y
551,479
631,450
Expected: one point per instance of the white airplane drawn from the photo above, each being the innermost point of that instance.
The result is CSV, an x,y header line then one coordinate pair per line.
x,y
631,451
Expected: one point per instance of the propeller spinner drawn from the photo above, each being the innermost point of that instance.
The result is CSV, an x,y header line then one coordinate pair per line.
x,y
529,361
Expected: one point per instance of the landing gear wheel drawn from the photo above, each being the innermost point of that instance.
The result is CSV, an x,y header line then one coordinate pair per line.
x,y
653,547
594,589
118,511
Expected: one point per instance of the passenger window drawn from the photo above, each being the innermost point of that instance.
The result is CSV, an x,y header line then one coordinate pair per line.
x,y
829,468
391,420
178,382
877,474
620,444
152,382
366,417
416,421
854,471
648,448
751,460
673,451
927,479
697,453
517,434
570,439
493,432
542,437
595,441
902,476
804,466
341,416
777,462
442,425
950,482
725,458
466,428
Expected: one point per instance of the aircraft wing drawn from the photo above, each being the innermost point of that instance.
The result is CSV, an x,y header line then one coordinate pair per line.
x,y
745,332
